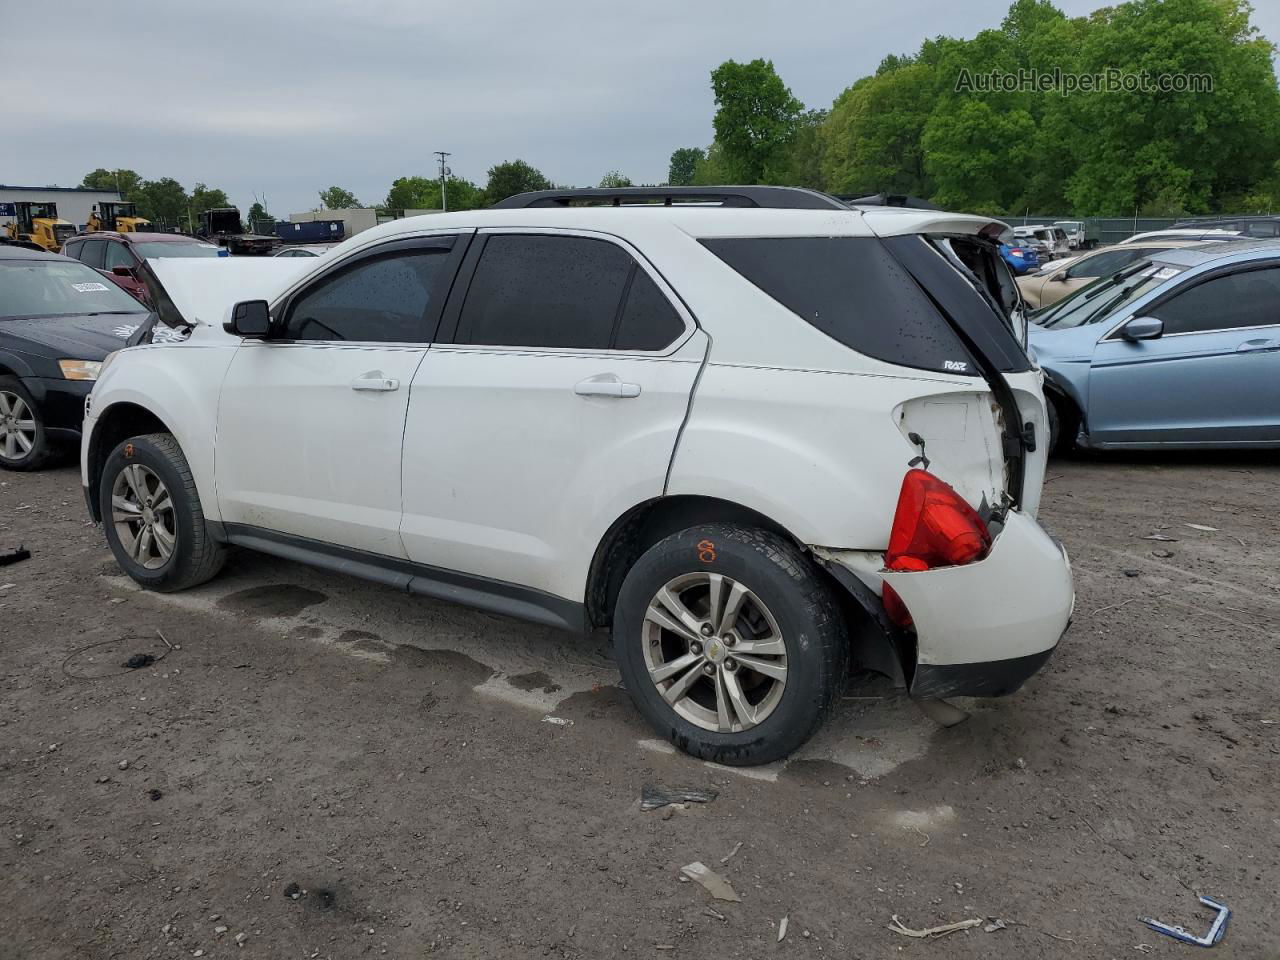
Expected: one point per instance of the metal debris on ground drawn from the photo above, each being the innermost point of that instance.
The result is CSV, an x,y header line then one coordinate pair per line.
x,y
558,721
1201,526
14,556
652,796
732,853
714,884
782,927
932,933
1216,931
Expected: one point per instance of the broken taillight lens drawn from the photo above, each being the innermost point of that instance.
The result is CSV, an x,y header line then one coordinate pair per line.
x,y
933,527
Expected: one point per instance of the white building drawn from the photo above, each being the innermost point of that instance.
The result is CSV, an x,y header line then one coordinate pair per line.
x,y
74,204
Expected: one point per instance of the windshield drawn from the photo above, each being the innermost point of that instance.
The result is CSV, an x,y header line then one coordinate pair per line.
x,y
1096,300
164,248
54,288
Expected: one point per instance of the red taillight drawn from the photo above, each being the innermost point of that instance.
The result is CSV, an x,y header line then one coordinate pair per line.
x,y
933,527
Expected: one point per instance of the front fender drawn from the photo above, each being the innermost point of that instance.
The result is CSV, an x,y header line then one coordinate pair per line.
x,y
177,383
14,362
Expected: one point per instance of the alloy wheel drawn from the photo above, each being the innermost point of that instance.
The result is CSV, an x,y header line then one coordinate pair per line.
x,y
17,427
142,513
714,652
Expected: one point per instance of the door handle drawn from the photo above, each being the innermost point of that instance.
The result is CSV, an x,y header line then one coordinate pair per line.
x,y
1252,346
375,381
606,385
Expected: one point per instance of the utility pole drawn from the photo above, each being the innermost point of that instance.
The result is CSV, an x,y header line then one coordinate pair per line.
x,y
444,172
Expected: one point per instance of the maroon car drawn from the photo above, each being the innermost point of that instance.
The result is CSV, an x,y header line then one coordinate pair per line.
x,y
118,255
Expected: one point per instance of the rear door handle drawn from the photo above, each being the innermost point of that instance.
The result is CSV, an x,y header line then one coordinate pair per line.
x,y
1251,346
606,385
374,380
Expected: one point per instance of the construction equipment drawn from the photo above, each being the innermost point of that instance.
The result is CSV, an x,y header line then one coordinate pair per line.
x,y
38,225
224,227
119,216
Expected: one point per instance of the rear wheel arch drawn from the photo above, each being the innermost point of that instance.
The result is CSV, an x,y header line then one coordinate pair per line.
x,y
1067,412
118,422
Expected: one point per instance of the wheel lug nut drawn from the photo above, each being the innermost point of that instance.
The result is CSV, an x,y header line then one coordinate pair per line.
x,y
709,669
695,648
707,630
730,665
730,641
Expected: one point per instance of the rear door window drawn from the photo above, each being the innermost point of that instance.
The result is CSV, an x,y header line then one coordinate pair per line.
x,y
854,291
535,290
93,253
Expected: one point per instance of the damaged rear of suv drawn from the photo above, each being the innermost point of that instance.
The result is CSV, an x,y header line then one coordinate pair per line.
x,y
756,432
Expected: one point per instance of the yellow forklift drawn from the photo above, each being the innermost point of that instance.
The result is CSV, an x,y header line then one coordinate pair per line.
x,y
38,225
121,217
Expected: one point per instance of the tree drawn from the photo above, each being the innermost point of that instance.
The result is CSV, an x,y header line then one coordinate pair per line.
x,y
203,198
126,181
755,118
336,198
511,177
613,179
684,163
162,201
258,212
423,193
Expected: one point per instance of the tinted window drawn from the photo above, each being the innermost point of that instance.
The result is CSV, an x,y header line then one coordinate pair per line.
x,y
118,256
854,291
542,291
649,322
380,300
94,251
1249,299
72,249
1105,264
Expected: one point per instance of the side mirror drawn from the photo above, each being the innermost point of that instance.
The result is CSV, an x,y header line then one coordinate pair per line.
x,y
1059,276
1143,328
122,271
249,318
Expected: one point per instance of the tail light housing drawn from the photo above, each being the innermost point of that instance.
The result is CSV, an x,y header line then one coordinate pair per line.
x,y
932,527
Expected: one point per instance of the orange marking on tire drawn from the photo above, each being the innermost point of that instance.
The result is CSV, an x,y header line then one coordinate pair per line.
x,y
706,551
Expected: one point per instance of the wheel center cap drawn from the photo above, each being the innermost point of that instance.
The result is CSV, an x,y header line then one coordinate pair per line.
x,y
147,515
715,651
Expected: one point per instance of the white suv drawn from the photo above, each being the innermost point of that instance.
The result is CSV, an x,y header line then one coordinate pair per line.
x,y
756,431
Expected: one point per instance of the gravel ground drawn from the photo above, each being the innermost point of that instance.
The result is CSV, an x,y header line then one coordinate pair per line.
x,y
321,767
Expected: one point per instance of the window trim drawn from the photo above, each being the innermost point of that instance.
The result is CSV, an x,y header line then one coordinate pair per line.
x,y
1231,269
459,240
448,330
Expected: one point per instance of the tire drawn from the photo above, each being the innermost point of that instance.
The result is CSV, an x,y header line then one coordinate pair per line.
x,y
135,470
784,595
1062,426
22,448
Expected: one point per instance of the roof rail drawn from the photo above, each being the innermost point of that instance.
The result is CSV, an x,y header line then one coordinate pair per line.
x,y
888,200
774,198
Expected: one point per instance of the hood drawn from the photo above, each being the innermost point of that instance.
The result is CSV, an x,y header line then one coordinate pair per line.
x,y
202,290
89,337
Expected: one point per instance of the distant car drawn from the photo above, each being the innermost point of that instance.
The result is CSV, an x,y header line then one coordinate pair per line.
x,y
1051,241
1074,229
305,250
1179,350
1020,259
1050,284
1182,234
118,255
1261,226
58,321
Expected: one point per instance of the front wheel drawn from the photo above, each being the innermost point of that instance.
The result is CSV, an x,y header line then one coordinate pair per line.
x,y
151,512
730,643
24,445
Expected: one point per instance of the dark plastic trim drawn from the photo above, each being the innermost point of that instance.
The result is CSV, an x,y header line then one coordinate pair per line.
x,y
773,198
483,593
992,678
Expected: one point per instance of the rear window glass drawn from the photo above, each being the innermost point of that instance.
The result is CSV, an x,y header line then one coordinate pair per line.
x,y
854,291
56,288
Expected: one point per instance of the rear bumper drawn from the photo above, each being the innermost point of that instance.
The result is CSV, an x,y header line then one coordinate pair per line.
x,y
983,629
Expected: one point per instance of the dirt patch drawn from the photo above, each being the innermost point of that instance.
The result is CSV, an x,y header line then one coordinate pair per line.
x,y
272,600
443,664
534,680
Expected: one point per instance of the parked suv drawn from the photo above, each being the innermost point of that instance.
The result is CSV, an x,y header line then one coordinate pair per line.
x,y
119,255
755,431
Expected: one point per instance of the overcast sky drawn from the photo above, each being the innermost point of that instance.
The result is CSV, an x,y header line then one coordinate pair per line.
x,y
281,98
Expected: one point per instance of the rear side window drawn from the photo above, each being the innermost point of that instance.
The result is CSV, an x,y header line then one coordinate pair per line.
x,y
118,256
93,252
1238,300
533,290
72,249
854,291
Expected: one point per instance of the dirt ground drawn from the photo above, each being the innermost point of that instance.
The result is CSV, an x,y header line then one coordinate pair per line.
x,y
386,759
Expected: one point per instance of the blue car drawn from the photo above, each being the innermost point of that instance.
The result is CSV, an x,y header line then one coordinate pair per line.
x,y
1020,259
1178,350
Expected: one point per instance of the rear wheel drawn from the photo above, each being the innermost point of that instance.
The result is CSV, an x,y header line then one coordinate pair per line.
x,y
729,643
1063,424
23,442
151,512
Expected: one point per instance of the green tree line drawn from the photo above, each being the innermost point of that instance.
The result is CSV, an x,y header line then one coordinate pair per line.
x,y
916,127
161,201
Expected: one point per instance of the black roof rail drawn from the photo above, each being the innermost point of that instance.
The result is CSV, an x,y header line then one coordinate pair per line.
x,y
888,200
773,198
